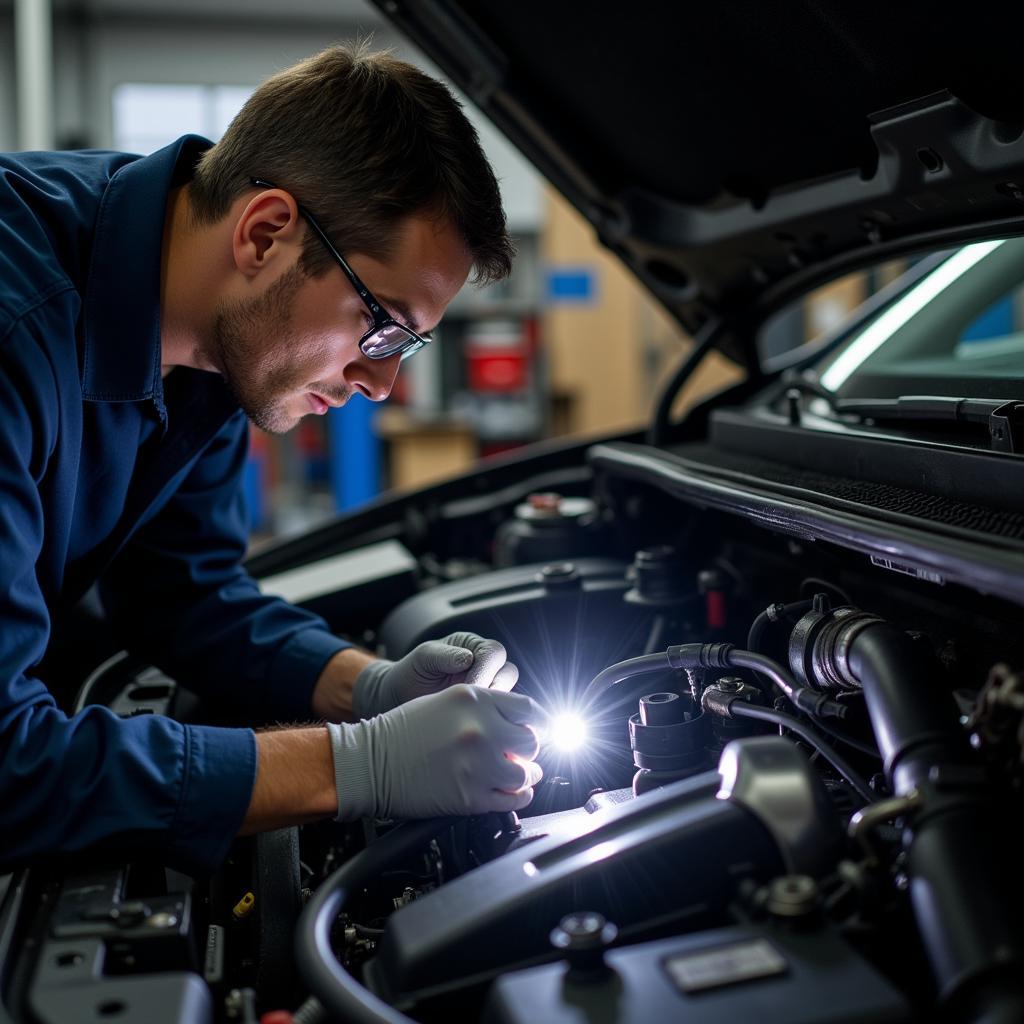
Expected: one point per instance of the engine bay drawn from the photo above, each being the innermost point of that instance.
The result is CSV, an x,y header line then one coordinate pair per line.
x,y
782,777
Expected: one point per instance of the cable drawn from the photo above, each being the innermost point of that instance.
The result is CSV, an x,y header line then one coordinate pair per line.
x,y
98,674
773,613
741,709
850,741
703,343
817,583
342,996
757,628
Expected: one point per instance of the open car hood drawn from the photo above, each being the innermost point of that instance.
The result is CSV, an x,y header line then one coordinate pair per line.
x,y
735,154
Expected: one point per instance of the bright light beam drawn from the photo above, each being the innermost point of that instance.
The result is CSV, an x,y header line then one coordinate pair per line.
x,y
567,732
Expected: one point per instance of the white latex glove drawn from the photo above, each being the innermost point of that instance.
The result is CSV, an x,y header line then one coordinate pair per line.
x,y
466,750
429,668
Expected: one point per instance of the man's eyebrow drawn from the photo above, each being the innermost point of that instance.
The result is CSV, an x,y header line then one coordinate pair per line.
x,y
401,312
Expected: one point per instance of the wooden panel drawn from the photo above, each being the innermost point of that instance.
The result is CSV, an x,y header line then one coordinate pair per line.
x,y
828,306
421,453
608,357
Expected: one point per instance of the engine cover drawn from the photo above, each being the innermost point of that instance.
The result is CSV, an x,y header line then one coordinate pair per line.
x,y
725,976
679,847
533,610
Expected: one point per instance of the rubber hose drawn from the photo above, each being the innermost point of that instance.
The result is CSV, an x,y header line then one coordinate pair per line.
x,y
338,991
645,664
966,904
772,614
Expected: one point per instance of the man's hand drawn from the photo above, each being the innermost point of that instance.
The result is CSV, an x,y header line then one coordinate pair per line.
x,y
429,668
466,750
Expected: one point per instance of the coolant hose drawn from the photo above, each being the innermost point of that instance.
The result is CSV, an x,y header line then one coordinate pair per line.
x,y
646,664
342,996
963,882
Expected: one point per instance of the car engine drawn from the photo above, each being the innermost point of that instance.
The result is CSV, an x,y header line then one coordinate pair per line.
x,y
782,778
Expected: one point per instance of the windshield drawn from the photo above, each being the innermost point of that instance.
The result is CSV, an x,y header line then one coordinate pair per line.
x,y
958,332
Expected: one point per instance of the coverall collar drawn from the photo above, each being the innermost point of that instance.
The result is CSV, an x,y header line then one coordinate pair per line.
x,y
121,309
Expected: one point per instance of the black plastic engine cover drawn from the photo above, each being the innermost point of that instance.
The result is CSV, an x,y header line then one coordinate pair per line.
x,y
561,622
726,976
676,853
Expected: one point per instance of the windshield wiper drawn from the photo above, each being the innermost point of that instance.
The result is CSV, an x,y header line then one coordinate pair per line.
x,y
1004,420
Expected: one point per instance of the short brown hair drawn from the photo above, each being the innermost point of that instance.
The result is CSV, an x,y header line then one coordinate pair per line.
x,y
363,140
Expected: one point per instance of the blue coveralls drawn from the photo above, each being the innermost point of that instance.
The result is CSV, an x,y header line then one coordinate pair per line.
x,y
109,473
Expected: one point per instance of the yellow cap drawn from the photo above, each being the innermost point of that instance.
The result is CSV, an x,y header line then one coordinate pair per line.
x,y
244,906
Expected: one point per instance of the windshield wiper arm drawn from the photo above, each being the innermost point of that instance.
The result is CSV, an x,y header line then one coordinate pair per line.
x,y
1005,420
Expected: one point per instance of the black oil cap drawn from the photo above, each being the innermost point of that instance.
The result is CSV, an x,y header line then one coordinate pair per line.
x,y
583,937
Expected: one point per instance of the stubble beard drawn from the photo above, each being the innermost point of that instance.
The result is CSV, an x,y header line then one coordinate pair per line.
x,y
251,352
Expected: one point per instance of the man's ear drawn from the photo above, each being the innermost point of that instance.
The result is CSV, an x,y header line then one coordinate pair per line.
x,y
267,233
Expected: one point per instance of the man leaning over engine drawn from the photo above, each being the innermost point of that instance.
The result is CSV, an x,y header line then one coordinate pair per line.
x,y
150,308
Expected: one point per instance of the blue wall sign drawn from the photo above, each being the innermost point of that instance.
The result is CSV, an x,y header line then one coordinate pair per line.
x,y
570,285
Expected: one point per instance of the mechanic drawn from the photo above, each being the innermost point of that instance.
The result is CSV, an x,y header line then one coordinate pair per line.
x,y
149,309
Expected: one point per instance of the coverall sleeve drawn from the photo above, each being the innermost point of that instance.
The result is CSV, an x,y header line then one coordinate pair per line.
x,y
179,591
70,781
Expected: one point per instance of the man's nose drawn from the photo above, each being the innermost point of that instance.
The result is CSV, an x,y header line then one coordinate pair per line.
x,y
373,377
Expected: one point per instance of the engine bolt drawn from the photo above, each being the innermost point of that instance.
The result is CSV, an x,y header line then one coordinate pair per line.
x,y
792,896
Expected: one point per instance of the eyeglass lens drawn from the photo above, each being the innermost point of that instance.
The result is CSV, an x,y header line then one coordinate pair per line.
x,y
389,339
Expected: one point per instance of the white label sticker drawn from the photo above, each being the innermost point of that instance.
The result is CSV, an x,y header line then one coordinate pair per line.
x,y
908,570
725,965
213,969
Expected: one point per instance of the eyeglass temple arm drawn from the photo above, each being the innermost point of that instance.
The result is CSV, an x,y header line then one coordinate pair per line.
x,y
364,292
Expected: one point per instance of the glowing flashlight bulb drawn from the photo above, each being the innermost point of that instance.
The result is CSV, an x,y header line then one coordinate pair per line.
x,y
568,732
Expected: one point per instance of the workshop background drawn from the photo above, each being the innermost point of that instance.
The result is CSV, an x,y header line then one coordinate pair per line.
x,y
569,346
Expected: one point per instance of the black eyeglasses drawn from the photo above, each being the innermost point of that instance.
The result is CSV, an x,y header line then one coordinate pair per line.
x,y
387,337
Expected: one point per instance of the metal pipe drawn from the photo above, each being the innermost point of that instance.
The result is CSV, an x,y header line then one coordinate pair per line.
x,y
33,57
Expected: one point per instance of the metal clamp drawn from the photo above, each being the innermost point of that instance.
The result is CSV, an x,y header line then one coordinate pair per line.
x,y
867,819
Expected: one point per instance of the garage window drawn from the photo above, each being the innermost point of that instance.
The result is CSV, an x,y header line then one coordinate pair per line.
x,y
148,115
